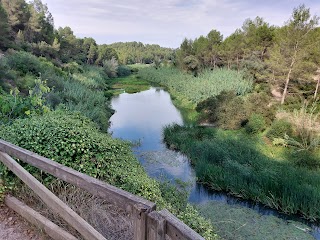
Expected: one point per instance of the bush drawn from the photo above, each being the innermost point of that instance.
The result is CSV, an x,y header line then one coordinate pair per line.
x,y
260,103
24,63
279,128
255,124
123,71
306,159
91,103
225,110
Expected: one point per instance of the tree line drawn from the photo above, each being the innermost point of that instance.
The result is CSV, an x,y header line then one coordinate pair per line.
x,y
30,27
285,57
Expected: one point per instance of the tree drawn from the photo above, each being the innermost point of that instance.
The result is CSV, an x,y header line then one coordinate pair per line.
x,y
18,15
92,54
40,24
289,56
105,53
233,49
4,29
214,41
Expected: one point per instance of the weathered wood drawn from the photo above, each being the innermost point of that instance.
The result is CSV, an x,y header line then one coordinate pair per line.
x,y
52,201
139,215
156,226
35,218
176,229
116,196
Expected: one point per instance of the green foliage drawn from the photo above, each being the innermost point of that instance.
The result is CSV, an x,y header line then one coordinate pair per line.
x,y
4,30
279,129
111,67
196,89
24,63
123,71
229,111
226,110
77,97
255,124
92,77
261,103
14,106
233,163
137,52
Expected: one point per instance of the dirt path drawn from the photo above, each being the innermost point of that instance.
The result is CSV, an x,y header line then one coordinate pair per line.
x,y
13,227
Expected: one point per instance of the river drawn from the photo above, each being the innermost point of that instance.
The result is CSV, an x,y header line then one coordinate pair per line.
x,y
140,118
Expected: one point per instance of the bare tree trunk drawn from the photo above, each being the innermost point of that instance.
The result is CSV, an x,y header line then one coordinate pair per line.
x,y
317,87
238,62
285,90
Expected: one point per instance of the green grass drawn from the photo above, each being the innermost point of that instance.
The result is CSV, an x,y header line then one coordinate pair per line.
x,y
241,223
130,84
188,88
233,162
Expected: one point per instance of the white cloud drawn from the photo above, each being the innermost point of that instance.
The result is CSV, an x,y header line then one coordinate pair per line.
x,y
165,22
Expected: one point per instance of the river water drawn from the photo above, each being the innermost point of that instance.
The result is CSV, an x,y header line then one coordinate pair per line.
x,y
140,118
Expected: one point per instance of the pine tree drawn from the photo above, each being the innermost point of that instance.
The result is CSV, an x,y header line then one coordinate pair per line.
x,y
289,56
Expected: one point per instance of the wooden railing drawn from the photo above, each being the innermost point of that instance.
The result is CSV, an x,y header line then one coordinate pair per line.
x,y
148,223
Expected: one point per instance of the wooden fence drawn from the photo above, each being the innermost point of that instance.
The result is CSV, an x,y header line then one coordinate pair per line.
x,y
148,223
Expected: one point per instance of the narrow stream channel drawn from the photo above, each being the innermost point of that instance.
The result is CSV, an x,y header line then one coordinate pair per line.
x,y
140,117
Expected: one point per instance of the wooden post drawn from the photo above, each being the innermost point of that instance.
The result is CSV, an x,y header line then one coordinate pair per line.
x,y
140,221
156,226
176,229
52,201
35,218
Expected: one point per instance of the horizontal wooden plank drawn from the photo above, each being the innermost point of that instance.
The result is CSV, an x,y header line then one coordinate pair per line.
x,y
176,229
52,201
114,195
35,218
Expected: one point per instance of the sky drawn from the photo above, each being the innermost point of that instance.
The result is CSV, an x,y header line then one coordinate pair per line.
x,y
166,22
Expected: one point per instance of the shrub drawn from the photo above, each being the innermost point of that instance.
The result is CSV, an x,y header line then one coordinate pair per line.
x,y
123,71
111,67
24,63
255,124
260,103
306,159
225,110
279,128
91,103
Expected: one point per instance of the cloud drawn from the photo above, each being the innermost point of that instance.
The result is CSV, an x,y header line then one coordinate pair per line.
x,y
164,22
